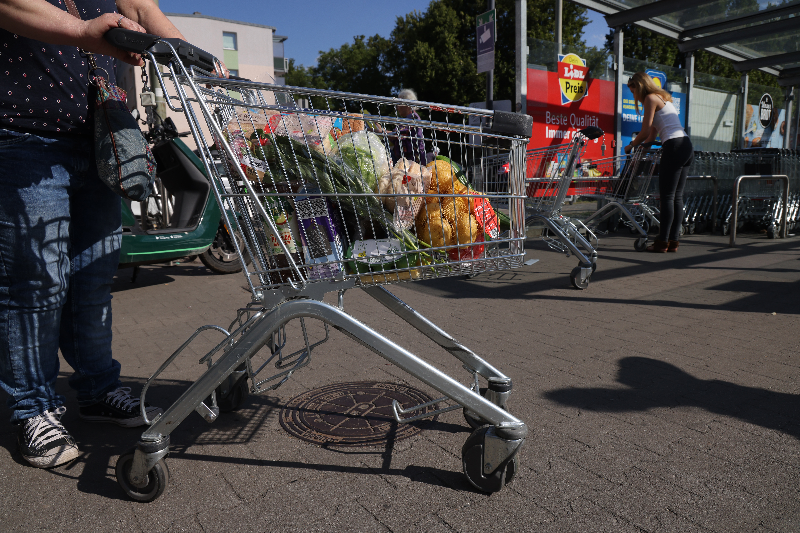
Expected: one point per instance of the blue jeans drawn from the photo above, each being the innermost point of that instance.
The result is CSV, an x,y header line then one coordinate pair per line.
x,y
60,235
677,155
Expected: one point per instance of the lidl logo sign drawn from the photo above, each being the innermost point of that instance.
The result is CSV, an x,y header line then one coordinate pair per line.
x,y
659,78
572,79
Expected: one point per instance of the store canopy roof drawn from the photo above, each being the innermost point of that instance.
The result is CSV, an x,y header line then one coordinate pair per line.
x,y
755,34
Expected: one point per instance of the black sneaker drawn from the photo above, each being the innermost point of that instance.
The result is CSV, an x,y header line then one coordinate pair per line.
x,y
120,408
44,442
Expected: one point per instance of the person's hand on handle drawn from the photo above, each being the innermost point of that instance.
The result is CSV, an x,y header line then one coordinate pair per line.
x,y
91,37
40,20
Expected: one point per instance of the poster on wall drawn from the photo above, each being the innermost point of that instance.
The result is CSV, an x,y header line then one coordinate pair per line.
x,y
632,121
765,125
567,101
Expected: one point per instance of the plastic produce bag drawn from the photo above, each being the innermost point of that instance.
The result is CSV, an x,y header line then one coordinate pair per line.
x,y
364,153
406,178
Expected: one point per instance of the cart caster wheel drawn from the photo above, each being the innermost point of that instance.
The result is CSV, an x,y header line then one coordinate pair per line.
x,y
472,461
682,230
575,278
157,479
641,244
235,397
594,267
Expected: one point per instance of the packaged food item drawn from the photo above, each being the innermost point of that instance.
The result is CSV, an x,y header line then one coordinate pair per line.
x,y
467,253
351,123
432,227
364,153
285,219
375,255
320,233
406,178
485,215
443,180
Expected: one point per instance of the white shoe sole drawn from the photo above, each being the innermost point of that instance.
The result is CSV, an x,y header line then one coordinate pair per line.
x,y
55,457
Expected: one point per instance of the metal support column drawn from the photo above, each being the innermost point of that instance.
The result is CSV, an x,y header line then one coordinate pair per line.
x,y
618,36
743,108
787,136
689,91
521,60
490,74
559,24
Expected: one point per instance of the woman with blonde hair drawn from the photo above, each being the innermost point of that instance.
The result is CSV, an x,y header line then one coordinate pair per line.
x,y
661,119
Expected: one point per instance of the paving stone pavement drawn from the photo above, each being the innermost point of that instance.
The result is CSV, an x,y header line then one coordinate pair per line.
x,y
664,398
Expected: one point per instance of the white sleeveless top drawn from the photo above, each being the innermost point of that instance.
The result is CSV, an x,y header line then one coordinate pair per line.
x,y
667,122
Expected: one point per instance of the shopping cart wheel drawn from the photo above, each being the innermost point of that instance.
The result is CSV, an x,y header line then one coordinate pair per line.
x,y
641,244
472,459
231,395
235,397
577,280
157,478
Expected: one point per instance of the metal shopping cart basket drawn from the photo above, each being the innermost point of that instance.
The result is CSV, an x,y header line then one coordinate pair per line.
x,y
550,172
302,184
623,183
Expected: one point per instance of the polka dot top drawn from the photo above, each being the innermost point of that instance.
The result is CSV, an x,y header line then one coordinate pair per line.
x,y
44,87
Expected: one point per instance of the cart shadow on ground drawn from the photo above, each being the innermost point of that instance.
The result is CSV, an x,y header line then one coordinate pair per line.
x,y
762,296
159,274
100,444
653,384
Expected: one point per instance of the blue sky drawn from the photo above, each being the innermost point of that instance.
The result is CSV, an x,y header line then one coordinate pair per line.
x,y
314,25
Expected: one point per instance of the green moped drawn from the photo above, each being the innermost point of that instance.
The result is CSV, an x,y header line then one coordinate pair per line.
x,y
182,220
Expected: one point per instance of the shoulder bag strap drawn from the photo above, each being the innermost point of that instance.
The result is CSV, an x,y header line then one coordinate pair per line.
x,y
74,12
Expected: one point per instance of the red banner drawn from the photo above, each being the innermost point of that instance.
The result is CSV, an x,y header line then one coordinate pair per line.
x,y
589,102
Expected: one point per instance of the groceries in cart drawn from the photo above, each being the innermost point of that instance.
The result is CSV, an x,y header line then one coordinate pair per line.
x,y
321,209
339,179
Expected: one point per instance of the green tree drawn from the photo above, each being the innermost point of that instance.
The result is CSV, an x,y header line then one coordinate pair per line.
x,y
434,53
358,67
436,49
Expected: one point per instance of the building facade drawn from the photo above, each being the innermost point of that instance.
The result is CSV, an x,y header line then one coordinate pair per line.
x,y
251,51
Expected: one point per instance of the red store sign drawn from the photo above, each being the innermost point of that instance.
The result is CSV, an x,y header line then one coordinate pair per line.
x,y
564,102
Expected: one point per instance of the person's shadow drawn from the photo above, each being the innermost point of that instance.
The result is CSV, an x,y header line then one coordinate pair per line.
x,y
652,384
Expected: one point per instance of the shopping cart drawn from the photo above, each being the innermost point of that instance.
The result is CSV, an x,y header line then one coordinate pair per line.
x,y
623,184
312,224
550,172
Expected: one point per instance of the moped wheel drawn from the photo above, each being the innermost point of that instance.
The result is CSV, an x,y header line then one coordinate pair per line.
x,y
157,479
221,257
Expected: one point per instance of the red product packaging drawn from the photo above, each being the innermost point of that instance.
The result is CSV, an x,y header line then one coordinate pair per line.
x,y
484,213
467,252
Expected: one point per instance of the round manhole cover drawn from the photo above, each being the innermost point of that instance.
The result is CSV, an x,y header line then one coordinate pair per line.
x,y
353,414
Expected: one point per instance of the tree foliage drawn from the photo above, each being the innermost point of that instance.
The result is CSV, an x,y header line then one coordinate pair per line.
x,y
434,52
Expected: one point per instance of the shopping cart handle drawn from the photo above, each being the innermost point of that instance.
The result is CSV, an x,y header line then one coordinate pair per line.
x,y
591,133
138,43
507,123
